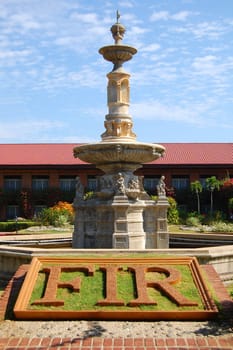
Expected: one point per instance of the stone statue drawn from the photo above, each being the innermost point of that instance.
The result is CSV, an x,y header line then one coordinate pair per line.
x,y
161,187
79,189
120,184
134,184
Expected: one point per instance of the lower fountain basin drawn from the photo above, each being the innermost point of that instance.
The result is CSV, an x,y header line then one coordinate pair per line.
x,y
132,153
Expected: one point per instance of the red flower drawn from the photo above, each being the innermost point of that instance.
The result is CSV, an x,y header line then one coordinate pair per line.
x,y
228,183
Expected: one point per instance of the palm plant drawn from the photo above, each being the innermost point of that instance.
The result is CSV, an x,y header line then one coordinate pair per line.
x,y
196,187
212,183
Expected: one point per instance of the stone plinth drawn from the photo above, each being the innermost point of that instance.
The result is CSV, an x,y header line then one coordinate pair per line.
x,y
126,220
128,223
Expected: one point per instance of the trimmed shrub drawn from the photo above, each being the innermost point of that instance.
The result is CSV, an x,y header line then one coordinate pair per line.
x,y
11,226
172,212
193,221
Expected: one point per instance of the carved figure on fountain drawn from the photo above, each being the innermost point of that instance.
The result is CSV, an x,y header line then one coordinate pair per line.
x,y
79,193
161,187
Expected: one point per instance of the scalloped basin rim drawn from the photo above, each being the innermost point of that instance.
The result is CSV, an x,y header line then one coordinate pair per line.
x,y
103,152
117,47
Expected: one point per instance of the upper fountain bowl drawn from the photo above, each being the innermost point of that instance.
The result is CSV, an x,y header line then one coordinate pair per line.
x,y
110,156
117,53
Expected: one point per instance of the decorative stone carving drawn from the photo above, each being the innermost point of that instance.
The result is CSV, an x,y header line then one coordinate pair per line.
x,y
161,187
79,194
133,190
106,188
120,184
118,128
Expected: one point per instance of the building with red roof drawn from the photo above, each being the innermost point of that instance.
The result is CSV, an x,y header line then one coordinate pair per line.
x,y
33,176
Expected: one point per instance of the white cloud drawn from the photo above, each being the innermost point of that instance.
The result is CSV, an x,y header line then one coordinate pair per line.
x,y
180,16
155,110
27,129
150,48
25,21
212,30
158,16
197,114
125,4
213,66
208,29
165,16
14,55
86,18
206,65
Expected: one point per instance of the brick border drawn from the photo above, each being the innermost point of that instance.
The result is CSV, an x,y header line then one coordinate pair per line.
x,y
9,296
224,298
111,265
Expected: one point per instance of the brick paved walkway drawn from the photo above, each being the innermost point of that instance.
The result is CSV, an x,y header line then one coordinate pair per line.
x,y
198,343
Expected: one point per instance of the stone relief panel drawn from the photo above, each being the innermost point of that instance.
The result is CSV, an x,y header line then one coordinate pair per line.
x,y
125,91
118,128
123,183
112,92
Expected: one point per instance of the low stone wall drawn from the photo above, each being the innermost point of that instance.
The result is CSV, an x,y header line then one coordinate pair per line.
x,y
219,257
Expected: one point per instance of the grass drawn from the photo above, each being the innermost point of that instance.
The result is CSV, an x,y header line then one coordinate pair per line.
x,y
218,227
47,230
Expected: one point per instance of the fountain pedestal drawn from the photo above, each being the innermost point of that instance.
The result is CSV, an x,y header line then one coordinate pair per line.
x,y
128,224
120,214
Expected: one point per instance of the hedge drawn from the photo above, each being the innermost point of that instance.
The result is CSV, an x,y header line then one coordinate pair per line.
x,y
10,226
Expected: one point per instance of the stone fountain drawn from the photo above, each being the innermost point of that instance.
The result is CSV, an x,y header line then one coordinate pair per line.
x,y
120,214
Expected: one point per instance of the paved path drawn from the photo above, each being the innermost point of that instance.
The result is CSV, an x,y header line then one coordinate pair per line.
x,y
198,343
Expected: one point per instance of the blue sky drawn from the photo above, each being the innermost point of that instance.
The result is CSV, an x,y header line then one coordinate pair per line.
x,y
53,80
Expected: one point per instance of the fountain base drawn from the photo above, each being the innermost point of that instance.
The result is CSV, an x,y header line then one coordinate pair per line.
x,y
121,221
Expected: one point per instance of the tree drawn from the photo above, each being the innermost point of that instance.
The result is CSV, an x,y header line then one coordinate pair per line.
x,y
212,183
196,187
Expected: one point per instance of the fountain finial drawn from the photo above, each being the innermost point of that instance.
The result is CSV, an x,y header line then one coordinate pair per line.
x,y
118,30
118,15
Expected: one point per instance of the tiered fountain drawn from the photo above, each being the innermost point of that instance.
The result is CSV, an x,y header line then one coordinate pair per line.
x,y
120,214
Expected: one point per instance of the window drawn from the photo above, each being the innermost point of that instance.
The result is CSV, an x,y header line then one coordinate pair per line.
x,y
150,183
12,211
12,183
91,183
67,183
40,183
180,182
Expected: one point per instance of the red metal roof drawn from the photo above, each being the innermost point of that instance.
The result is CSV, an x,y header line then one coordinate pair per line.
x,y
62,154
38,154
197,153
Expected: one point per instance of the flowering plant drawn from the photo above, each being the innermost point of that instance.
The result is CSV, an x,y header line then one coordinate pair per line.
x,y
228,183
58,215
